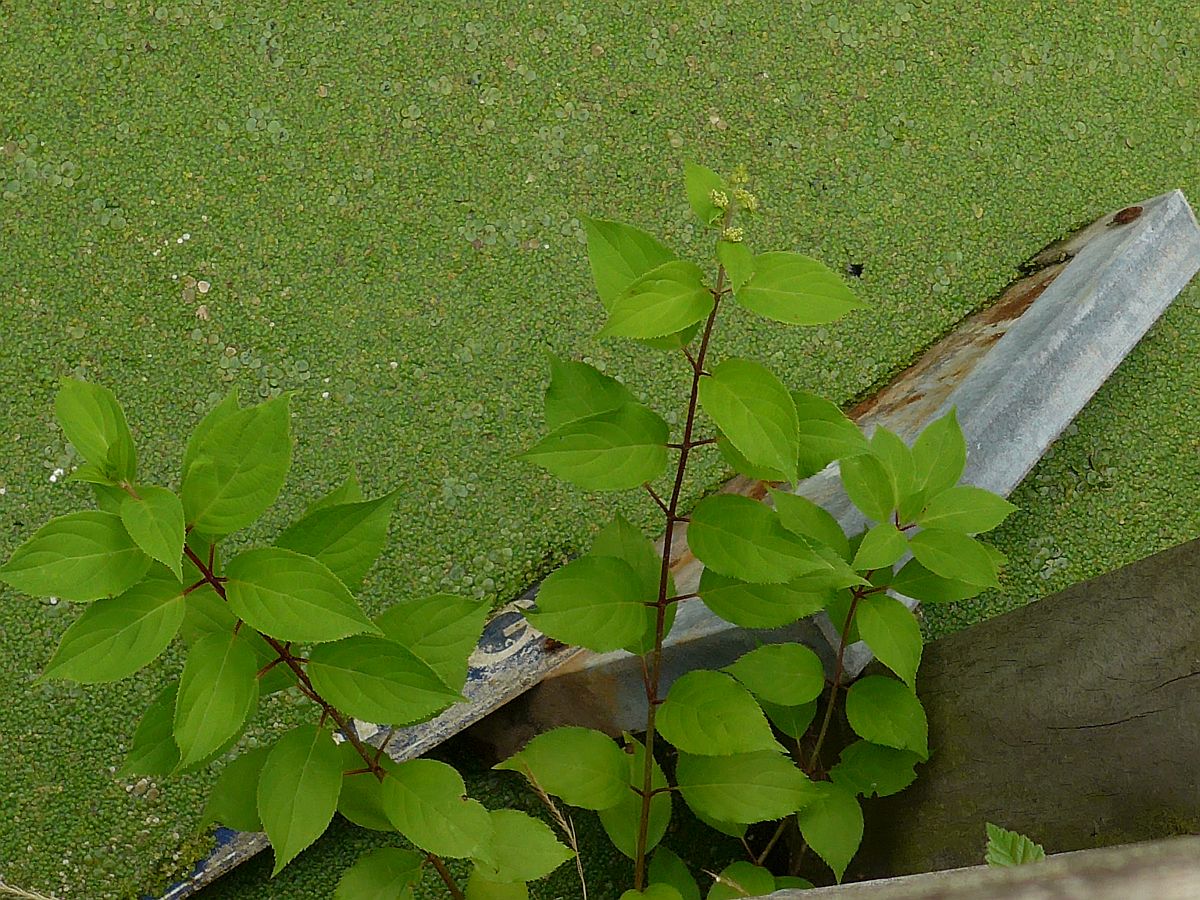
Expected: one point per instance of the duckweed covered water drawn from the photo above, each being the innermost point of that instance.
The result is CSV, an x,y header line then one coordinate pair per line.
x,y
382,206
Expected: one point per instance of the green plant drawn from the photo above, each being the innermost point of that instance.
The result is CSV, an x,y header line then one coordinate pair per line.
x,y
764,567
147,562
1010,848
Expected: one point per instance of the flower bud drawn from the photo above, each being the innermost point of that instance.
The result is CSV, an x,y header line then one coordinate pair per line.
x,y
746,199
739,175
718,198
733,235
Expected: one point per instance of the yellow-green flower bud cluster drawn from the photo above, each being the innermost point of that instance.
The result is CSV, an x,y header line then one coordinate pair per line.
x,y
746,199
739,175
733,235
719,199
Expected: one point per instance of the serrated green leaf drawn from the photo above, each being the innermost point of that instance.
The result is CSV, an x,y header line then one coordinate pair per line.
x,y
154,519
361,797
791,720
826,433
965,508
610,451
583,767
873,770
939,455
755,413
442,630
619,254
206,613
378,680
426,801
621,822
94,423
668,869
218,691
233,798
832,824
869,486
742,788
80,556
709,713
522,849
1009,848
800,515
664,300
346,492
480,887
117,636
386,873
751,605
292,597
653,892
897,460
797,290
885,711
742,879
623,540
593,601
785,674
211,422
738,262
700,182
298,790
881,548
892,633
744,539
838,609
153,750
953,554
578,390
743,466
916,581
238,469
347,538
91,474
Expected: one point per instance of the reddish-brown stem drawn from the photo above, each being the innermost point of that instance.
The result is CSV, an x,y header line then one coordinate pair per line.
x,y
678,597
654,495
655,673
446,876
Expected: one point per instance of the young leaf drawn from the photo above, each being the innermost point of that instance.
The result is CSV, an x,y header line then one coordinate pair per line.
x,y
387,873
232,800
153,750
869,486
791,720
479,887
738,262
621,821
583,767
700,182
953,554
755,413
939,455
964,508
92,420
206,613
744,539
619,254
744,788
378,680
662,301
298,790
759,605
1009,848
622,540
916,581
668,869
523,848
897,459
884,711
117,636
154,519
610,451
238,469
347,538
108,498
80,556
794,289
892,633
346,492
218,691
211,422
826,433
361,797
292,597
90,474
881,547
578,390
832,824
709,713
442,630
593,601
784,674
800,515
426,801
742,879
740,464
874,770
